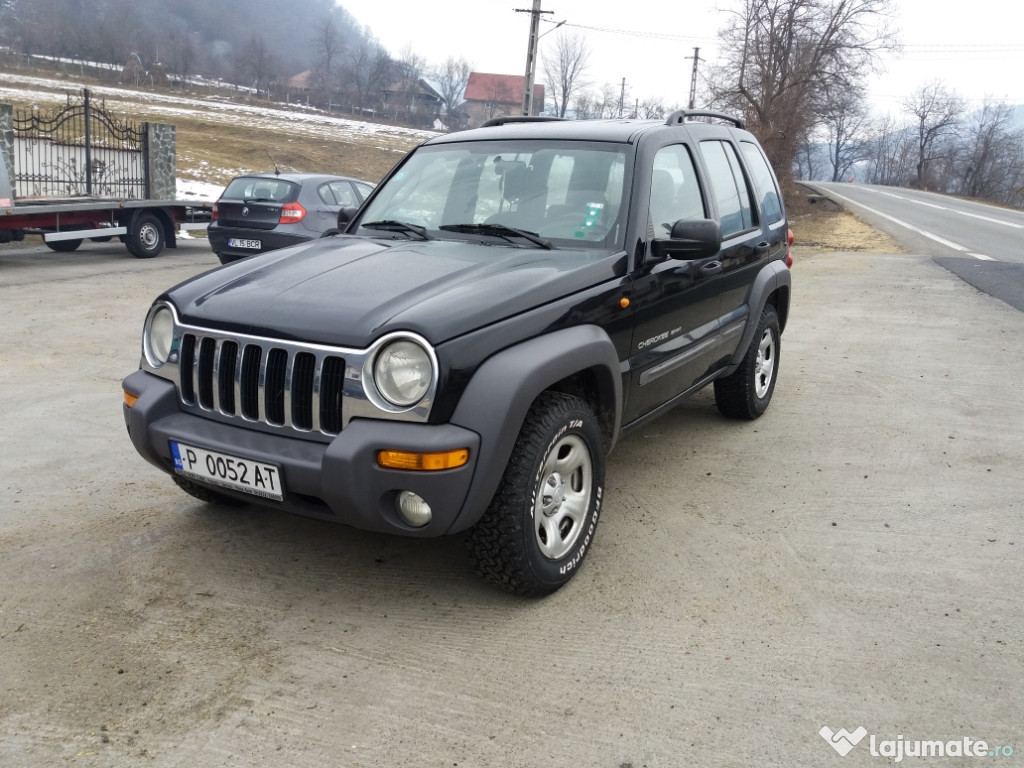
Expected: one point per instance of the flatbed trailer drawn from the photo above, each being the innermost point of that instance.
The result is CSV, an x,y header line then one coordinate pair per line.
x,y
146,227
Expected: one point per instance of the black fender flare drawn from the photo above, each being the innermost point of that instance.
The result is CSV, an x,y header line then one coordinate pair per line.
x,y
773,277
501,391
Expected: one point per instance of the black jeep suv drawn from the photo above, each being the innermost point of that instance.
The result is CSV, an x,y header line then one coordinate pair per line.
x,y
466,351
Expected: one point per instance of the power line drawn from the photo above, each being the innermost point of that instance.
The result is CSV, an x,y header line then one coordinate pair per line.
x,y
638,33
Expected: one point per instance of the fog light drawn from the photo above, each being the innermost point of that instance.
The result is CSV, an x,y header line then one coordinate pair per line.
x,y
413,509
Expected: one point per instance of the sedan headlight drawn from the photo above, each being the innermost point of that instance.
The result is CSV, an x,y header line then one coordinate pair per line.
x,y
158,335
403,372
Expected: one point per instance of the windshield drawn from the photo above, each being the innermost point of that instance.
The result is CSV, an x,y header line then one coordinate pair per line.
x,y
568,193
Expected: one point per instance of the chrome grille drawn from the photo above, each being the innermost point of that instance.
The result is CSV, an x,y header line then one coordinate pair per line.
x,y
280,385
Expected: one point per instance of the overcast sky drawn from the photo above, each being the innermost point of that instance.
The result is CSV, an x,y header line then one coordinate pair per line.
x,y
975,47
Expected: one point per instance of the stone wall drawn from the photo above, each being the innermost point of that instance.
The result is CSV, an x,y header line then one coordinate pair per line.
x,y
161,161
7,137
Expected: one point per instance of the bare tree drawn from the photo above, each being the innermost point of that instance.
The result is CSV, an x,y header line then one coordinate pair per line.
x,y
992,157
938,111
369,72
651,109
260,64
181,57
891,152
584,107
566,69
845,118
783,55
328,46
452,77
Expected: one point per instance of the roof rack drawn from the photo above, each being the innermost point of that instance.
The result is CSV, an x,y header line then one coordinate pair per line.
x,y
680,116
505,119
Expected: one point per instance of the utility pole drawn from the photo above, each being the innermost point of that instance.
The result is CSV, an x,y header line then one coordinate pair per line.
x,y
622,96
693,79
531,55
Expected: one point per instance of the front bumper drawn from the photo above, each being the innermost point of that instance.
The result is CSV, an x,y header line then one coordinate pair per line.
x,y
339,481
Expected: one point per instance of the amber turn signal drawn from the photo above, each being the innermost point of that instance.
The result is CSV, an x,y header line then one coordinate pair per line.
x,y
130,399
426,462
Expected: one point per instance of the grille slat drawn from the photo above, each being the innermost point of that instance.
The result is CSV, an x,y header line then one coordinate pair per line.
x,y
262,382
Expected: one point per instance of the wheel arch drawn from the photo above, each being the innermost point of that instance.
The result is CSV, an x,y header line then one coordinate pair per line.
x,y
581,361
772,286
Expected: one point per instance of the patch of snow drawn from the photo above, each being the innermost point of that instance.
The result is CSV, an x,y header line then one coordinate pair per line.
x,y
189,189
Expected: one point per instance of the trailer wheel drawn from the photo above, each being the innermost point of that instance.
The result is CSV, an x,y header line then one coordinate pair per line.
x,y
145,236
62,246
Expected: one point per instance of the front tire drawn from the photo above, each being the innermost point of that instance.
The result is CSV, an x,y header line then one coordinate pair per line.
x,y
538,528
746,393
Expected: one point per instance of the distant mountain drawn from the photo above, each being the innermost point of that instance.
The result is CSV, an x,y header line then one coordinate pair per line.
x,y
205,37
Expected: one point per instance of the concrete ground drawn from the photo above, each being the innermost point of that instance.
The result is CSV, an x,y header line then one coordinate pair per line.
x,y
852,559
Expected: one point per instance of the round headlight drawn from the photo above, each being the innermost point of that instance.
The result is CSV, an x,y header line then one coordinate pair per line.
x,y
402,372
159,336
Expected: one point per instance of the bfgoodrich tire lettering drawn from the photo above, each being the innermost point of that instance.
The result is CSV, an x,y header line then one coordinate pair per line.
x,y
745,393
533,537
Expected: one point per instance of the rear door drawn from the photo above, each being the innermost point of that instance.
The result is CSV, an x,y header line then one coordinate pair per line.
x,y
332,196
745,245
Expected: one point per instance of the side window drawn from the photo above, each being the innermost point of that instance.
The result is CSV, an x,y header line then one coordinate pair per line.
x,y
728,186
364,190
675,193
764,182
338,193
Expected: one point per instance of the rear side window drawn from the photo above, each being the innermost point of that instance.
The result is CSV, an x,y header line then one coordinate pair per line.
x,y
728,186
261,190
338,193
764,182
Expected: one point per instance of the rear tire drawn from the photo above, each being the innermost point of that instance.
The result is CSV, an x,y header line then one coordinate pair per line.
x,y
62,246
746,393
145,236
534,535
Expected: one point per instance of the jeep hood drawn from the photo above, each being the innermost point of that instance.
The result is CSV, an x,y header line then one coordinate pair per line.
x,y
347,291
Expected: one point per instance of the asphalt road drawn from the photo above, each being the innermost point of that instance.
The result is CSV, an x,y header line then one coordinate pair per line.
x,y
852,559
983,244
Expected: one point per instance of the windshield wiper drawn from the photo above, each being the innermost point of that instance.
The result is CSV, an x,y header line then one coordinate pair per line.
x,y
390,225
498,230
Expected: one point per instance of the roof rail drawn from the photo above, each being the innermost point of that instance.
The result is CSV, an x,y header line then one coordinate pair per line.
x,y
505,119
680,116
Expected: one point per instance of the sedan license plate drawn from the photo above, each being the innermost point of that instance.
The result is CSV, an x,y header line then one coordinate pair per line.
x,y
252,245
227,471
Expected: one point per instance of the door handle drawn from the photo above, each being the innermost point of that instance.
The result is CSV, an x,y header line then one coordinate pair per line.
x,y
709,269
762,248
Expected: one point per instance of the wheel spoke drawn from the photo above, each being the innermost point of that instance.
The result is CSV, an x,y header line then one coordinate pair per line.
x,y
563,497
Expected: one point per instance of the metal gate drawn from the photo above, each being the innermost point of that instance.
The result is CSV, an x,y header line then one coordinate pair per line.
x,y
78,150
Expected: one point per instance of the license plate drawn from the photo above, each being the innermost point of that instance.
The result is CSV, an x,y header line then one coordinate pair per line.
x,y
253,245
227,471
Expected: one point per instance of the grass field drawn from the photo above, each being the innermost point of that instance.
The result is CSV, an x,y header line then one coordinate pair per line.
x,y
220,135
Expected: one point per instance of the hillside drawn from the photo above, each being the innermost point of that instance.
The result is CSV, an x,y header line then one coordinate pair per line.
x,y
218,138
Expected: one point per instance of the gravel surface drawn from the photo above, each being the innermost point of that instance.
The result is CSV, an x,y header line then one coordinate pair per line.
x,y
854,558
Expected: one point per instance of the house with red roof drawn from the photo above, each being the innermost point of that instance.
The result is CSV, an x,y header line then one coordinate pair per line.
x,y
489,95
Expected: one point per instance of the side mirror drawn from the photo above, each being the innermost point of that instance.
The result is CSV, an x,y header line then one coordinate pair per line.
x,y
689,239
345,215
